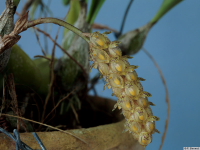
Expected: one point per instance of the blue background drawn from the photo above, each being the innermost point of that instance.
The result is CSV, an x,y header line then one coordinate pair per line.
x,y
175,44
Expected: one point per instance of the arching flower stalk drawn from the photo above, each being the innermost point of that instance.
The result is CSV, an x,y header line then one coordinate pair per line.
x,y
126,85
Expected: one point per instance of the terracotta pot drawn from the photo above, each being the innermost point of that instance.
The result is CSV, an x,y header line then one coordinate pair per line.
x,y
103,137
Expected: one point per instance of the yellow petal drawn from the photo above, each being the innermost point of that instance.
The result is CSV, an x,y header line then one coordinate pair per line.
x,y
135,128
141,117
133,77
100,42
118,52
118,67
152,126
145,103
101,57
133,92
117,81
145,142
128,105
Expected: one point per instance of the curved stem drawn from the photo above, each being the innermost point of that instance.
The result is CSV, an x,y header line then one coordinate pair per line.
x,y
167,96
58,22
124,20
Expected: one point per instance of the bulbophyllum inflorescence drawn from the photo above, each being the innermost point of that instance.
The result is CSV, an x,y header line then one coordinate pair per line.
x,y
126,85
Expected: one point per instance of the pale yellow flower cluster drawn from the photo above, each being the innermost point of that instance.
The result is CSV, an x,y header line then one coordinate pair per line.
x,y
126,85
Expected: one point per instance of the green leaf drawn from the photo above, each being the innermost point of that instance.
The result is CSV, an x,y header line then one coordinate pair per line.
x,y
66,2
73,13
78,48
34,8
26,74
132,42
44,9
94,10
166,6
44,67
16,2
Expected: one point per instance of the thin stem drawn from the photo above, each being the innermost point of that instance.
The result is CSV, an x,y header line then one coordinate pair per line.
x,y
58,22
72,58
167,96
124,20
59,103
64,131
52,77
38,40
41,56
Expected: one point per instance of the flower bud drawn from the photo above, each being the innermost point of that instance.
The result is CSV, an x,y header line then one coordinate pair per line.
x,y
135,127
116,81
99,40
149,111
126,103
143,102
139,85
150,126
115,52
117,66
131,90
131,76
140,114
100,56
117,91
144,138
104,69
114,44
127,114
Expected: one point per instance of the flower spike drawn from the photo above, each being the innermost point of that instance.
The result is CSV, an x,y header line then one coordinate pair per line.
x,y
122,78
